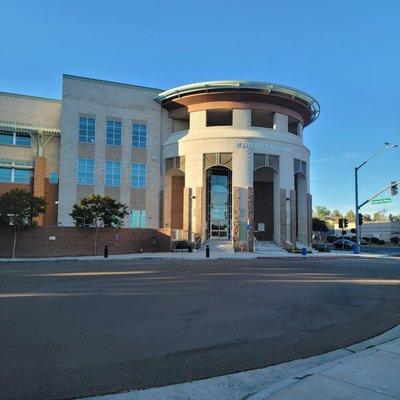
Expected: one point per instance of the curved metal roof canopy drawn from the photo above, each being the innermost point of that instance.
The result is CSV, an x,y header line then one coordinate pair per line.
x,y
265,87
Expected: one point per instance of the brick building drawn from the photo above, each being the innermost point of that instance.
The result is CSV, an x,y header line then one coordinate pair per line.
x,y
213,160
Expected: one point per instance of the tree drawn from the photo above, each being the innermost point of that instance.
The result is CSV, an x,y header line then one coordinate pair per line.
x,y
319,225
367,218
18,208
350,216
380,216
321,212
96,212
336,215
394,218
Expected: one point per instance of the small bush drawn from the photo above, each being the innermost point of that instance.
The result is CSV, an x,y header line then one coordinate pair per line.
x,y
366,238
331,239
395,240
381,242
374,240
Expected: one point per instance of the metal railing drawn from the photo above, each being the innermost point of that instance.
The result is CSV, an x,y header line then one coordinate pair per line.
x,y
257,245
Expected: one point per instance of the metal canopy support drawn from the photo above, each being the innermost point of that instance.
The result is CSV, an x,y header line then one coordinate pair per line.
x,y
40,135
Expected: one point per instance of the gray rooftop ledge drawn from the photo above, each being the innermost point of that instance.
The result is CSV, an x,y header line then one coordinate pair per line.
x,y
267,87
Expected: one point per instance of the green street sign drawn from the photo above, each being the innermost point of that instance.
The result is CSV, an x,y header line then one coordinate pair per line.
x,y
381,201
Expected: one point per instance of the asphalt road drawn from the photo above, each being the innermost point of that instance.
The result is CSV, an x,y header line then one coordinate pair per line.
x,y
381,249
76,329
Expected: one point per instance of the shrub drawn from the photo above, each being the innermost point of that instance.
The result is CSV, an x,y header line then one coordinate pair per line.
x,y
366,238
395,240
374,240
331,239
381,242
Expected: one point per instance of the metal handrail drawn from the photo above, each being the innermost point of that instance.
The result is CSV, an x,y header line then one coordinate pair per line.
x,y
288,245
256,245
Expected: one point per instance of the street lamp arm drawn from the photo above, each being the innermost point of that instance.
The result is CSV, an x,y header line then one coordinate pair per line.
x,y
377,194
374,155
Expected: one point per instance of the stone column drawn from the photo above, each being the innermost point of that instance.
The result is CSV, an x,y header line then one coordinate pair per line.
x,y
199,213
293,217
235,219
309,217
250,213
187,223
283,217
242,180
39,183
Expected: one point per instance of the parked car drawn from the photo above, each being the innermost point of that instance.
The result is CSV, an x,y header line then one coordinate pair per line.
x,y
343,243
362,241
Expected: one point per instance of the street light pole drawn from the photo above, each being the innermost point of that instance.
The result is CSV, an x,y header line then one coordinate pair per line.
x,y
357,247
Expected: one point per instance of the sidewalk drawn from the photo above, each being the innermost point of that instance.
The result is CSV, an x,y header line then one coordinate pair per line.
x,y
364,371
199,255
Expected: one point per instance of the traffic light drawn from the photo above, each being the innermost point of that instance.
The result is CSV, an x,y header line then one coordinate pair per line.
x,y
394,189
345,222
341,223
360,219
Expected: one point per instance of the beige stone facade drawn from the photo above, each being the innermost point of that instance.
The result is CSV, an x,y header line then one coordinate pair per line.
x,y
222,160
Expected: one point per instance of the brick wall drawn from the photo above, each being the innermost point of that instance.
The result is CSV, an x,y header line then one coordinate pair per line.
x,y
71,241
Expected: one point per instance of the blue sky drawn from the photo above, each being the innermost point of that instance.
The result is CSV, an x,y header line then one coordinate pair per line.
x,y
345,53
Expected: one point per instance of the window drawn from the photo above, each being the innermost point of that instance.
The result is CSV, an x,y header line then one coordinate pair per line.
x,y
300,166
139,135
219,117
7,138
15,139
22,175
293,125
138,177
113,134
85,171
6,174
113,173
15,175
53,177
87,127
23,139
262,118
137,219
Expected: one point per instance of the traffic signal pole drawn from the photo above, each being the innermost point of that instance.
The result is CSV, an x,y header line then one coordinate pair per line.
x,y
357,247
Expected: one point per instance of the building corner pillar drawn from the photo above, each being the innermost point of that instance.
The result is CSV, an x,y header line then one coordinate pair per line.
x,y
39,176
283,220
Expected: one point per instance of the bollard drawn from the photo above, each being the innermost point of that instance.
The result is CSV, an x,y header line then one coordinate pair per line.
x,y
207,251
105,251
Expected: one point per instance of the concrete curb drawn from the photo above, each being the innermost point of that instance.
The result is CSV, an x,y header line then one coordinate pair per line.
x,y
258,384
196,256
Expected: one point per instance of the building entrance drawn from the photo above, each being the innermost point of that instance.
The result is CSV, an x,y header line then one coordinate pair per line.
x,y
219,203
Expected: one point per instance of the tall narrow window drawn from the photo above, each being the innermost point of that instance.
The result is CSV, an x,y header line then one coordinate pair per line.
x,y
139,135
113,134
138,175
113,173
87,128
85,171
293,125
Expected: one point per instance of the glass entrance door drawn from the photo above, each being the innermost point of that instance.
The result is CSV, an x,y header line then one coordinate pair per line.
x,y
219,208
